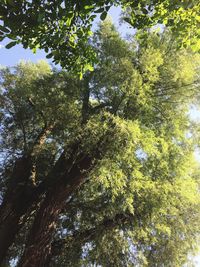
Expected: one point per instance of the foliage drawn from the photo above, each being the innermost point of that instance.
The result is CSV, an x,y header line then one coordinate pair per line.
x,y
62,28
139,205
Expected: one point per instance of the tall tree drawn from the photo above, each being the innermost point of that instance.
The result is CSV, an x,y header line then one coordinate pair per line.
x,y
101,171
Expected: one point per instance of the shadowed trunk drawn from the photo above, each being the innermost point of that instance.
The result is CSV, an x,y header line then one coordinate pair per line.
x,y
20,195
74,171
15,204
38,246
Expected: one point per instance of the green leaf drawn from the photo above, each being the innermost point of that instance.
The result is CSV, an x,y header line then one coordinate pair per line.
x,y
145,11
40,17
46,49
34,49
4,29
100,10
88,7
103,15
11,36
107,8
69,19
11,44
11,2
49,55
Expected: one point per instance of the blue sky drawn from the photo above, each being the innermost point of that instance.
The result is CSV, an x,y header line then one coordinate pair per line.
x,y
10,57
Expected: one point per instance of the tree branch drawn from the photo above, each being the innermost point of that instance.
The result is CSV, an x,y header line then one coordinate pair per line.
x,y
89,234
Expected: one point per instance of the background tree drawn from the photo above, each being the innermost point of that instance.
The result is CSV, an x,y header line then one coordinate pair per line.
x,y
102,171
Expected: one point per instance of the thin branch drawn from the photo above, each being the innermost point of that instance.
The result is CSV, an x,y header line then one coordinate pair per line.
x,y
40,112
89,234
101,105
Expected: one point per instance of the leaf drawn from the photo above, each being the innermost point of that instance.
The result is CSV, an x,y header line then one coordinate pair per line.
x,y
4,29
46,49
69,19
126,19
103,15
107,8
93,17
40,17
49,55
11,2
100,10
88,67
11,44
88,7
145,11
11,36
34,49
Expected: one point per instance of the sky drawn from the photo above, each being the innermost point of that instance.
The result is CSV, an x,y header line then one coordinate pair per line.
x,y
10,57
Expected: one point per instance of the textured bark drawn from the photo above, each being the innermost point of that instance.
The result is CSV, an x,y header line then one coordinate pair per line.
x,y
13,205
20,195
38,247
7,232
74,171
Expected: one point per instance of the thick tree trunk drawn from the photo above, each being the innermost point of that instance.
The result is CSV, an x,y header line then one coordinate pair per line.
x,y
38,246
19,201
14,205
66,176
20,195
11,217
7,233
73,172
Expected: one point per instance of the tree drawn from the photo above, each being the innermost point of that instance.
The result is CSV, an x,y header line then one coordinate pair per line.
x,y
101,171
62,28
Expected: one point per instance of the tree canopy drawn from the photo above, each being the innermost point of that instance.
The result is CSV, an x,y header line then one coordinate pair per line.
x,y
101,171
62,28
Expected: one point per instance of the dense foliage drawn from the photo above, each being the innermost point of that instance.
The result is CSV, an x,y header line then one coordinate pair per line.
x,y
120,144
62,28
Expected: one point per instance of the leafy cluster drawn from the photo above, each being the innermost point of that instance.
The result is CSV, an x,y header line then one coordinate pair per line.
x,y
63,28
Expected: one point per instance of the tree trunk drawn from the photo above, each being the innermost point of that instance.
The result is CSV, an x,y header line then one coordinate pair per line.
x,y
73,170
38,246
7,233
14,205
19,201
11,217
20,195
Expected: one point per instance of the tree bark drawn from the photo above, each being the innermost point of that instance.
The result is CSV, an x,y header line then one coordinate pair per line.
x,y
74,171
38,247
14,205
20,195
19,201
